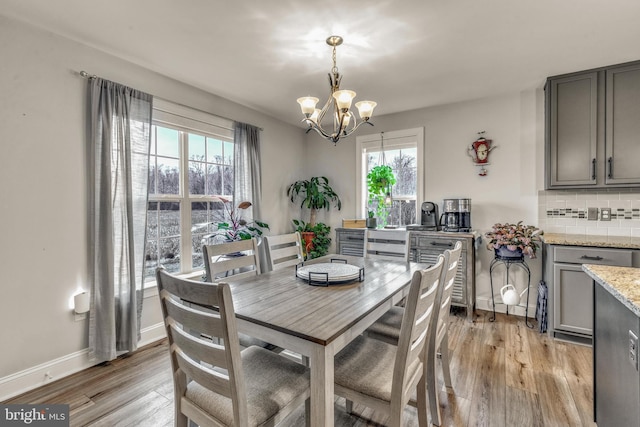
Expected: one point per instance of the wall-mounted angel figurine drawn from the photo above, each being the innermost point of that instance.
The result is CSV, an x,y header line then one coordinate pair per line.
x,y
479,152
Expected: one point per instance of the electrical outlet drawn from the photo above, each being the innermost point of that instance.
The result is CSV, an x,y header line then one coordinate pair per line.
x,y
605,214
633,349
592,214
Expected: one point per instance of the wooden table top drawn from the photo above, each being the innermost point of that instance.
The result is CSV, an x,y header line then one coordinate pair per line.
x,y
281,301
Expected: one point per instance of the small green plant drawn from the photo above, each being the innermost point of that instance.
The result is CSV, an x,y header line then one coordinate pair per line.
x,y
233,226
321,239
371,214
379,182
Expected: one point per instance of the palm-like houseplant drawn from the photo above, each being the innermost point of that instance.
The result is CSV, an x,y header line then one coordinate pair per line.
x,y
315,193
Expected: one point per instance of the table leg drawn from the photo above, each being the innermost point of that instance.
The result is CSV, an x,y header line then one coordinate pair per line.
x,y
322,386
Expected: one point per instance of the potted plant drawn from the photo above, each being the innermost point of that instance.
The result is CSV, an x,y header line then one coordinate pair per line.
x,y
316,193
371,220
380,179
233,226
514,240
316,238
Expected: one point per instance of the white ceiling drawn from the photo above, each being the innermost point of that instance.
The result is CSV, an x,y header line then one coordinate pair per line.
x,y
403,54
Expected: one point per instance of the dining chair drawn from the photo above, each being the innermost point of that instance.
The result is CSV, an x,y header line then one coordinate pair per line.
x,y
217,384
386,244
383,376
387,329
283,250
239,258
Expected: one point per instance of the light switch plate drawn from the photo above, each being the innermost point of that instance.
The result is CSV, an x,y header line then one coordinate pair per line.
x,y
592,214
605,214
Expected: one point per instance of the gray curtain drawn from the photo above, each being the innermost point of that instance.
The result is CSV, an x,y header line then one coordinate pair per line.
x,y
118,146
247,183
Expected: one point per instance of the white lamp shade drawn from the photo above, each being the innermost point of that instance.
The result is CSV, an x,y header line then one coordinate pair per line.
x,y
347,119
81,302
307,104
314,115
365,108
343,98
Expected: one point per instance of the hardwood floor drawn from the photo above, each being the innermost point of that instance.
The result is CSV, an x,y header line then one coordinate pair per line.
x,y
504,374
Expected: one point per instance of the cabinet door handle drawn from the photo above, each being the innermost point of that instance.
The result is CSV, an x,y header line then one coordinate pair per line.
x,y
447,245
594,258
593,169
610,161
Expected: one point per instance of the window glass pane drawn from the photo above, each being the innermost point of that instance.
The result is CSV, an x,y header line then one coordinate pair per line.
x,y
228,153
197,175
163,237
200,227
214,150
404,167
168,176
153,170
227,181
168,142
196,147
214,180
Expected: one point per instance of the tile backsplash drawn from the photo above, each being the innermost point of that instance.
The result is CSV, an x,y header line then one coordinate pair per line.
x,y
565,211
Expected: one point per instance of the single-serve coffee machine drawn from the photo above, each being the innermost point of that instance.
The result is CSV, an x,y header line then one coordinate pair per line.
x,y
429,216
456,215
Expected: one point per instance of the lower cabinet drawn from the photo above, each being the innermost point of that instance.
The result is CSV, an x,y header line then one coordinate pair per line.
x,y
570,306
425,246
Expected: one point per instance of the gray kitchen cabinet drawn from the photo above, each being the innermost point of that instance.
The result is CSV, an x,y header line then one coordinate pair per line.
x,y
592,128
350,241
570,305
615,374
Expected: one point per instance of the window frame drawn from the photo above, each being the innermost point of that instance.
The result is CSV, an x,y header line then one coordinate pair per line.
x,y
187,121
393,140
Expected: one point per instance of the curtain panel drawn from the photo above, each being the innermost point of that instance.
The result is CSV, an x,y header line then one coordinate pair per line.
x,y
247,182
119,141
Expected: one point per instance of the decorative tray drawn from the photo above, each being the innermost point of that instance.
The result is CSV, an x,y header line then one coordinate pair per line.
x,y
330,273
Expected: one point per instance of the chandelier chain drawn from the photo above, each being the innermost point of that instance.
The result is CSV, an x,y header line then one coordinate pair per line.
x,y
334,69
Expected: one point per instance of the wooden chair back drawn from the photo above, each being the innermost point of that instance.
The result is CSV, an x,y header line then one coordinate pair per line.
x,y
194,357
415,333
452,261
284,250
238,259
386,244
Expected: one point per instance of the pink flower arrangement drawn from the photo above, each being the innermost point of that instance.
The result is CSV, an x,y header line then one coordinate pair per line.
x,y
514,237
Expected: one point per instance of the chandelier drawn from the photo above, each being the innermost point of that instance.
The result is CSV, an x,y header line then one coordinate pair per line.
x,y
338,106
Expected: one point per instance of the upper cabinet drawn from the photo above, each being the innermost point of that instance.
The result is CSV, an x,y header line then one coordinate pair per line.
x,y
593,128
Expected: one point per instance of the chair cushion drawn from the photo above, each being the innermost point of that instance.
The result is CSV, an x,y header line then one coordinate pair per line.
x,y
366,366
271,381
387,328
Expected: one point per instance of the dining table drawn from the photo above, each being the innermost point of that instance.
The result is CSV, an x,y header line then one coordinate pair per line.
x,y
318,320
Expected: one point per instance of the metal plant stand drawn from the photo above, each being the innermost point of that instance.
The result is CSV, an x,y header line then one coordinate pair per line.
x,y
508,262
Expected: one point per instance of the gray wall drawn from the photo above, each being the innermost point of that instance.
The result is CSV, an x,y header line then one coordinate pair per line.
x,y
42,170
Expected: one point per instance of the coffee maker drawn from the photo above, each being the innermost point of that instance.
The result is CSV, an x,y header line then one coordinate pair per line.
x,y
429,216
456,215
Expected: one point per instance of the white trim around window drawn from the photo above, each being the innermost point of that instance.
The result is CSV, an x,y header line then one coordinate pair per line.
x,y
392,140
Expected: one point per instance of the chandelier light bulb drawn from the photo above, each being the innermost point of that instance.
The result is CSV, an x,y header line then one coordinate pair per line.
x,y
365,108
307,104
343,99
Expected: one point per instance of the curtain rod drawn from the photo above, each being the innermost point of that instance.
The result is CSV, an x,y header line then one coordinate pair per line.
x,y
88,76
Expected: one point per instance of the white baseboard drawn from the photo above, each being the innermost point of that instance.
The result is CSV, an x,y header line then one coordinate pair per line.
x,y
36,376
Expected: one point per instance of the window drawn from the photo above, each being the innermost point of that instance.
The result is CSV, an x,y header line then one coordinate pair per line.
x,y
190,167
403,151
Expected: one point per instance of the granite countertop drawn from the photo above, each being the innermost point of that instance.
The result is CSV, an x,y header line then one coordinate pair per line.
x,y
622,282
591,240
